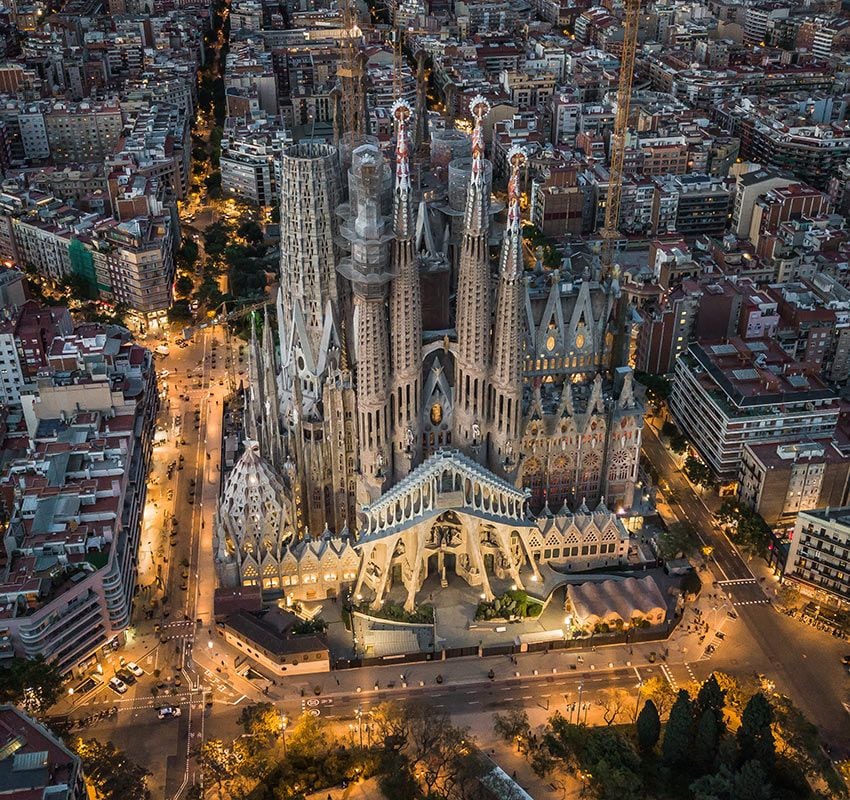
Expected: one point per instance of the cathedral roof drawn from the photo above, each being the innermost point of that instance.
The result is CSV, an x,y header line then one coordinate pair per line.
x,y
447,479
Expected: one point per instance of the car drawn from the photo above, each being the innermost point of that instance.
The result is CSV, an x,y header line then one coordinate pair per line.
x,y
117,685
846,659
167,712
133,667
125,675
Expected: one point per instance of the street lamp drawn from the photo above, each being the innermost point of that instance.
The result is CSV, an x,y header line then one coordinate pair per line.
x,y
284,721
637,702
578,716
359,714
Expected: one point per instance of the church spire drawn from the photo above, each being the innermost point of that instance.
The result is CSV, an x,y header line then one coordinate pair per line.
x,y
402,214
473,296
405,311
476,217
506,373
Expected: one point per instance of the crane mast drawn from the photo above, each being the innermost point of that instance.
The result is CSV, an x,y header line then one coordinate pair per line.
x,y
350,74
611,230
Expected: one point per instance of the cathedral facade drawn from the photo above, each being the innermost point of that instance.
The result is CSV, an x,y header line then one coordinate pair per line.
x,y
413,338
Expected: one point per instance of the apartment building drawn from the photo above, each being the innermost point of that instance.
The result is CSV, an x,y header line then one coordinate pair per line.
x,y
731,392
11,375
250,152
779,481
35,762
82,132
75,499
818,559
133,263
799,136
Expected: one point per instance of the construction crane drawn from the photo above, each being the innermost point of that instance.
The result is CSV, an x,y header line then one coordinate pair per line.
x,y
611,230
350,72
221,316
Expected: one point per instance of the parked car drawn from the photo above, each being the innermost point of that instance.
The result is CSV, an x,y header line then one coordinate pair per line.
x,y
167,712
125,675
117,685
134,668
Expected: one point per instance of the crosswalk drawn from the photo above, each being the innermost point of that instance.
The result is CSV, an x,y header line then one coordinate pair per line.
x,y
736,581
763,602
665,670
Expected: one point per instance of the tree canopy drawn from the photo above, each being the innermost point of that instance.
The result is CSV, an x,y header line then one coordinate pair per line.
x,y
111,772
33,684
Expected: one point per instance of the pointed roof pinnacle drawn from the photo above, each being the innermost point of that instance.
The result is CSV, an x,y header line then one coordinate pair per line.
x,y
511,262
402,216
475,220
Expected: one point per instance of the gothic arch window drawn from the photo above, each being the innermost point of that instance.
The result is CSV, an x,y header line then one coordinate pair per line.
x,y
560,481
590,473
621,465
532,479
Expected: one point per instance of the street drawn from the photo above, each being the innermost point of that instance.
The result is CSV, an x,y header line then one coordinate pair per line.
x,y
187,664
804,662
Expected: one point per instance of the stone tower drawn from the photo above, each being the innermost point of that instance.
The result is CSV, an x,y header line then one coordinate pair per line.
x,y
308,320
505,411
473,299
405,312
368,268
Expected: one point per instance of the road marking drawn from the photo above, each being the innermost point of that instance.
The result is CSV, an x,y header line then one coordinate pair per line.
x,y
691,673
473,702
669,675
736,581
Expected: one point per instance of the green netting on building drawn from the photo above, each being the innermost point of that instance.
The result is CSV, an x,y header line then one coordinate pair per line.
x,y
82,265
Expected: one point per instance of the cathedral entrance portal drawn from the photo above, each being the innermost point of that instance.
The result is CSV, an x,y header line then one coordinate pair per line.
x,y
444,539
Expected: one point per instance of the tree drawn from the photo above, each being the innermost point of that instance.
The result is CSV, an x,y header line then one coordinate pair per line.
x,y
614,703
751,783
34,684
262,721
698,473
648,727
512,725
390,725
706,738
657,386
188,253
716,786
711,697
220,762
675,749
755,736
114,776
251,231
679,539
678,442
438,750
80,288
746,528
179,311
184,285
213,183
308,739
661,693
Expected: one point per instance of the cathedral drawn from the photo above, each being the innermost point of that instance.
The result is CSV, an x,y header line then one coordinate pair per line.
x,y
437,402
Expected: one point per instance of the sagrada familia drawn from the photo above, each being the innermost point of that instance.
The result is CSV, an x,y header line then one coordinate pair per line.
x,y
431,408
